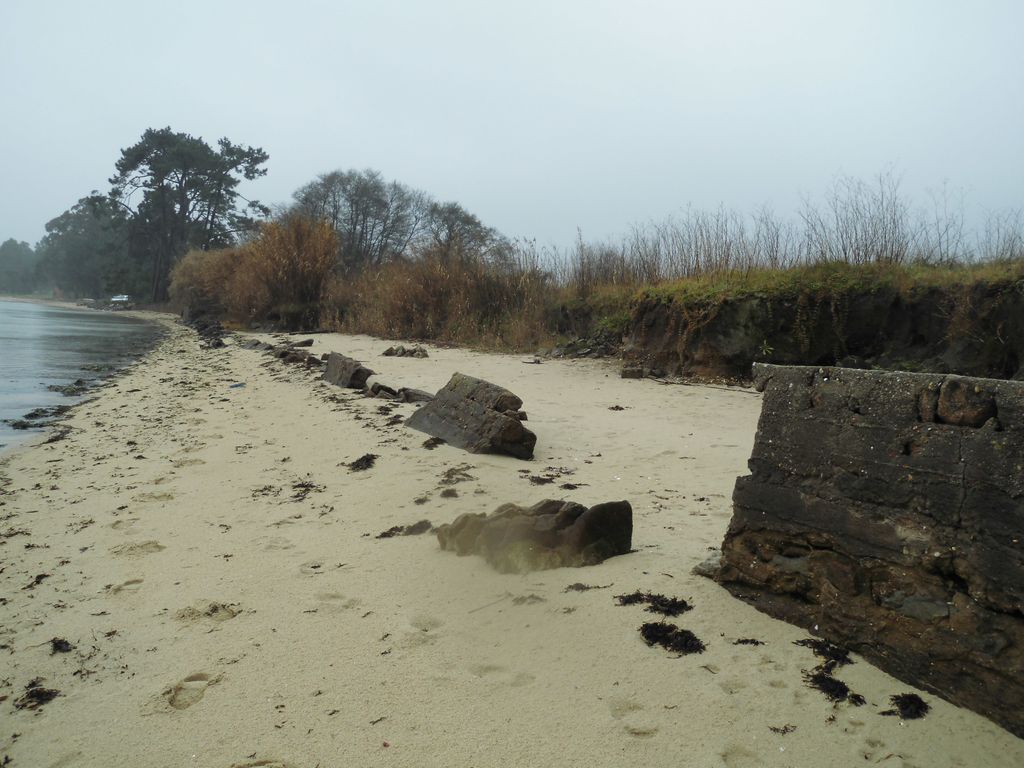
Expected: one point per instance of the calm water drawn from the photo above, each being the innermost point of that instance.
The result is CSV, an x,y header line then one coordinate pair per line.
x,y
42,346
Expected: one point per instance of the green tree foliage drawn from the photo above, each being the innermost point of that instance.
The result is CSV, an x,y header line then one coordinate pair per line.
x,y
84,251
17,267
179,193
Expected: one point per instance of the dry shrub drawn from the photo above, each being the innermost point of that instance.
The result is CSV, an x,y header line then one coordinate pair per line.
x,y
494,302
280,276
292,260
199,278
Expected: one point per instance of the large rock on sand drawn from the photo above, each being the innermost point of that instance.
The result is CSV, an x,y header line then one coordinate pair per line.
x,y
550,534
476,416
886,511
343,371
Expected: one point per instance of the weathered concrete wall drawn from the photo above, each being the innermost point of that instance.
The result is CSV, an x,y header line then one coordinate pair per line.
x,y
887,510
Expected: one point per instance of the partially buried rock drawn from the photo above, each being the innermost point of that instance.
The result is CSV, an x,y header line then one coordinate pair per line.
x,y
410,395
401,351
550,534
343,371
476,416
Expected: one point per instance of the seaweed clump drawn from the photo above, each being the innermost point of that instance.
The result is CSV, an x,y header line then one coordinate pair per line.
x,y
35,695
908,706
672,638
835,690
666,606
834,654
363,463
821,677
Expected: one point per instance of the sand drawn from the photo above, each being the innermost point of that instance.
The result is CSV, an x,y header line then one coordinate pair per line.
x,y
215,566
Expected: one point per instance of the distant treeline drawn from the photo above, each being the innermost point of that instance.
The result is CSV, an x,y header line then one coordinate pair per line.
x,y
170,192
355,251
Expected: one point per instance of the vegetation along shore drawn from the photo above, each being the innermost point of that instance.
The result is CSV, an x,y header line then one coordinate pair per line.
x,y
862,277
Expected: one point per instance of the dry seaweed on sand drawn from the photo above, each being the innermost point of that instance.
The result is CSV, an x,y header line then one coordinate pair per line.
x,y
406,530
747,641
302,488
423,526
432,442
37,580
527,599
908,706
581,587
364,462
60,645
835,690
667,606
35,695
457,474
671,638
837,655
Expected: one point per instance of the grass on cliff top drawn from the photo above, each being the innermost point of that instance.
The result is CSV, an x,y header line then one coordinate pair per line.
x,y
832,278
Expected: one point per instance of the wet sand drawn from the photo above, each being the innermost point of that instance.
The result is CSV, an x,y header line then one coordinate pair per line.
x,y
214,566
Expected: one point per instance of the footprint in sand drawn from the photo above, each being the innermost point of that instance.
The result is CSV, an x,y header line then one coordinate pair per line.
x,y
312,568
179,463
875,751
132,585
423,631
125,524
189,691
277,543
736,756
502,675
154,497
335,602
482,670
214,611
628,711
733,685
137,549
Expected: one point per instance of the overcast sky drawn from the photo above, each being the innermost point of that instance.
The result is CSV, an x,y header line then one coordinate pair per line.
x,y
538,116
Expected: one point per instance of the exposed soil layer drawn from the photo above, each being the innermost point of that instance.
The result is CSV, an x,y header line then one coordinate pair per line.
x,y
975,330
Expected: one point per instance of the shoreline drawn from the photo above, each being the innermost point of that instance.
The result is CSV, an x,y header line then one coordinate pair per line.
x,y
92,377
216,569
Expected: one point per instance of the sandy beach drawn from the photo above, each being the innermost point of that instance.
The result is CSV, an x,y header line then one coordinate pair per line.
x,y
214,568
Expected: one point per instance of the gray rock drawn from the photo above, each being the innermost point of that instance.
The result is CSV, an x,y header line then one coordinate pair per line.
x,y
550,534
343,371
476,416
409,395
401,351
